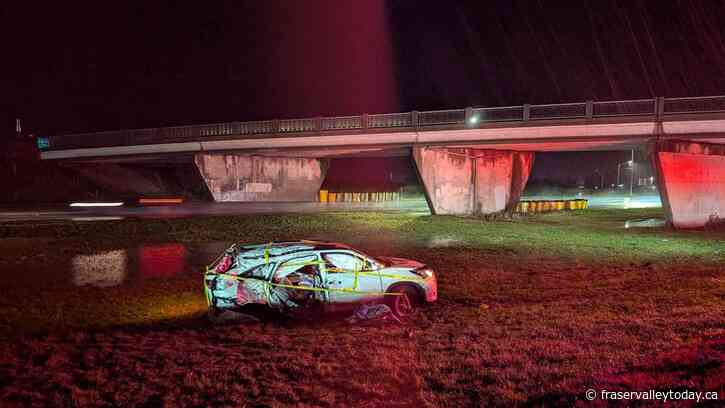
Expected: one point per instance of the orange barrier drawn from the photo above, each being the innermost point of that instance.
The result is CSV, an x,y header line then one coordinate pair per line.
x,y
326,196
523,207
550,205
174,200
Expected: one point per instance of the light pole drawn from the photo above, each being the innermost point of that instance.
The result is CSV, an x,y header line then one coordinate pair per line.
x,y
601,179
631,176
619,165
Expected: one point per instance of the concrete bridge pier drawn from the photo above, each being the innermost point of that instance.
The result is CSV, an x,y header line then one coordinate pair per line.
x,y
470,181
244,177
691,181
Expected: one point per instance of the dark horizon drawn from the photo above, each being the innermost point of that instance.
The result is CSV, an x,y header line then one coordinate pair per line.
x,y
103,67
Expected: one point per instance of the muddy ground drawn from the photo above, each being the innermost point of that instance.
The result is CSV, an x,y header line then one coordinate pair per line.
x,y
532,311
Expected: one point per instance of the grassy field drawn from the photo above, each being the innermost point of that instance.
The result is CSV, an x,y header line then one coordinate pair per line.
x,y
532,310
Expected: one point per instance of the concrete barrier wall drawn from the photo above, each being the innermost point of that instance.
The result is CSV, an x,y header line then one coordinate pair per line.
x,y
466,181
240,177
691,178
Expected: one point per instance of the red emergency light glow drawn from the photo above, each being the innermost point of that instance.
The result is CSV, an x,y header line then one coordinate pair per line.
x,y
162,261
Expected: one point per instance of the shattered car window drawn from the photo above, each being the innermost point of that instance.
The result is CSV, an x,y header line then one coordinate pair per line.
x,y
301,265
258,272
293,278
342,262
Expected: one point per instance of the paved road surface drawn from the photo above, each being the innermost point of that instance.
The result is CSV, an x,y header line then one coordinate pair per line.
x,y
205,209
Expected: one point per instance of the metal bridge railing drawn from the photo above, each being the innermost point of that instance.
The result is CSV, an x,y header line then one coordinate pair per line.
x,y
297,125
704,104
391,120
341,123
470,117
442,117
558,111
501,114
624,108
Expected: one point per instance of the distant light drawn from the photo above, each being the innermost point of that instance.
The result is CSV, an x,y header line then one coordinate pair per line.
x,y
83,219
118,204
160,200
473,119
629,162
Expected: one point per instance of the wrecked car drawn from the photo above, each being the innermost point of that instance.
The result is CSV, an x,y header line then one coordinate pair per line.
x,y
295,275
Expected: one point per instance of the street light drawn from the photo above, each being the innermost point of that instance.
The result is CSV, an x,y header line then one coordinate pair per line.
x,y
631,176
619,166
630,165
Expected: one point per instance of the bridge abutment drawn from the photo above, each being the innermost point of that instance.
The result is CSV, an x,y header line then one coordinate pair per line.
x,y
244,177
691,181
468,181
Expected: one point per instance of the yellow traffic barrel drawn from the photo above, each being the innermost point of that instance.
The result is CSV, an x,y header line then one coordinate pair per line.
x,y
524,206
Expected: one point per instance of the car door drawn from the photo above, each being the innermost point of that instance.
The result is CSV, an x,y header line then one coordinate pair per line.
x,y
349,278
296,282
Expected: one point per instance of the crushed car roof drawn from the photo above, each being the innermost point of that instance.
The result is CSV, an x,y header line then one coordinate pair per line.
x,y
285,246
253,255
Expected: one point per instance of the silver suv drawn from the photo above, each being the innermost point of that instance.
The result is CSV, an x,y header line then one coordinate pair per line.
x,y
294,275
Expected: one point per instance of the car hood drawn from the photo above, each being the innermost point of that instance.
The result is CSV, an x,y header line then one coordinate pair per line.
x,y
400,262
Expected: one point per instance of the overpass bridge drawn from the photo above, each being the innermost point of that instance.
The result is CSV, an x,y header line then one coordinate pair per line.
x,y
470,161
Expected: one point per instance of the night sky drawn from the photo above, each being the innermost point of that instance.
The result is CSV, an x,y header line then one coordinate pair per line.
x,y
73,67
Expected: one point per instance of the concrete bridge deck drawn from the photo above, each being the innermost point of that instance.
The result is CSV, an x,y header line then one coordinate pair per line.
x,y
609,125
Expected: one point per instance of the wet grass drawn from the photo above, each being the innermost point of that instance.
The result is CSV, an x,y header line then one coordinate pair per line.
x,y
533,310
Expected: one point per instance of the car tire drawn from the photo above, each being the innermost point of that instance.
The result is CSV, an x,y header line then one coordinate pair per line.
x,y
405,302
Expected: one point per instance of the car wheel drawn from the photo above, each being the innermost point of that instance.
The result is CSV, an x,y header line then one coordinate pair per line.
x,y
405,302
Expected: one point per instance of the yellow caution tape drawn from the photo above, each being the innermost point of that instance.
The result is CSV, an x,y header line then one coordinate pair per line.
x,y
345,290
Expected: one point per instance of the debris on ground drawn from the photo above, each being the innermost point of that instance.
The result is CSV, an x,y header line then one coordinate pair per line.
x,y
646,223
373,313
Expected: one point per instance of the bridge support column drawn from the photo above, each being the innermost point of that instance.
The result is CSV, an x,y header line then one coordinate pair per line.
x,y
691,181
243,177
466,181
